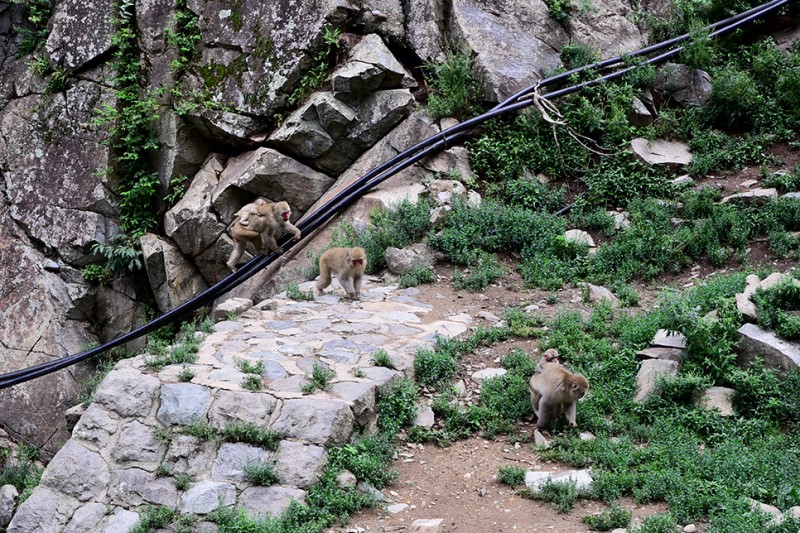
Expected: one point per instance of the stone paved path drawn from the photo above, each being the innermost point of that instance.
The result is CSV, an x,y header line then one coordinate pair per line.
x,y
107,472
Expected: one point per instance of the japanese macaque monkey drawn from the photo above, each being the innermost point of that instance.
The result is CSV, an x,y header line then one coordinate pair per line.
x,y
259,223
549,356
347,264
556,390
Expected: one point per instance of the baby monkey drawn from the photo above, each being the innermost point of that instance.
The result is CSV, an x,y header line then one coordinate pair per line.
x,y
259,223
555,390
347,264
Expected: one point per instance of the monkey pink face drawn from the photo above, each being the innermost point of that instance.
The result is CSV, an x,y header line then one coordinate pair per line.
x,y
285,215
358,262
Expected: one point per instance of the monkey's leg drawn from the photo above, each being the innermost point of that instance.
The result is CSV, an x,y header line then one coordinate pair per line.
x,y
535,397
347,283
324,277
236,253
269,240
571,412
357,286
543,413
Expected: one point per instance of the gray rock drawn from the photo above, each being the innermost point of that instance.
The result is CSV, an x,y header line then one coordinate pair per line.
x,y
488,31
133,487
227,127
231,459
267,172
79,33
137,443
746,307
121,521
752,197
182,403
382,376
686,180
8,502
776,353
44,511
173,278
127,392
77,472
260,501
672,354
582,478
361,397
424,23
189,455
346,479
661,152
608,25
424,416
299,464
771,510
426,525
229,407
720,398
205,496
668,339
445,192
87,518
235,306
487,373
649,373
396,508
314,420
688,86
120,311
580,237
401,261
599,294
96,426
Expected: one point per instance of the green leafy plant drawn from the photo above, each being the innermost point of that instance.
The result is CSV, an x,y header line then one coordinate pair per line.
x,y
34,35
123,255
416,276
563,495
251,433
251,383
182,481
321,67
294,293
484,271
382,358
321,376
454,92
261,474
154,518
614,517
511,475
183,350
433,368
398,405
186,374
183,36
23,472
250,367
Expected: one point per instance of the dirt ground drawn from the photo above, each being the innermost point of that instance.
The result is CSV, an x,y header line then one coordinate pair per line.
x,y
459,483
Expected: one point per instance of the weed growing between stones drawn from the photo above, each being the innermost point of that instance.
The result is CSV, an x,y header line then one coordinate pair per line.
x,y
249,367
35,34
294,293
157,517
251,383
261,474
181,350
320,378
185,375
454,91
381,358
21,471
251,433
182,481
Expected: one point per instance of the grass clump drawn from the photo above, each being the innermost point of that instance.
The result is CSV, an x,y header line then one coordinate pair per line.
x,y
433,368
250,367
777,308
321,376
157,517
398,405
182,350
252,383
186,374
416,276
563,495
21,471
382,358
294,293
511,475
252,434
484,271
261,474
614,517
454,91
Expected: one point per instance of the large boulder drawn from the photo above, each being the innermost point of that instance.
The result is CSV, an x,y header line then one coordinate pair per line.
x,y
80,32
253,53
776,353
688,86
173,278
608,26
515,42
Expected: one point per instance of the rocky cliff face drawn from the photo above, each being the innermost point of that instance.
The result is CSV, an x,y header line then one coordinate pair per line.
x,y
237,113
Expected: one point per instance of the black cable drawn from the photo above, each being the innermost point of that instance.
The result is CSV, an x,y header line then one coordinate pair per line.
x,y
379,174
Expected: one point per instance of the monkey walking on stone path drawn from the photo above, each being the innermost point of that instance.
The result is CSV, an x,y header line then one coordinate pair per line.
x,y
347,264
556,390
259,223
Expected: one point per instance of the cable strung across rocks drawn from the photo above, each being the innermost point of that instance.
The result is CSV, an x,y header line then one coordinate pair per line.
x,y
359,187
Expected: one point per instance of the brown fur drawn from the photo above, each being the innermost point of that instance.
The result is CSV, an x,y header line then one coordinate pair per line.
x,y
347,264
259,223
556,390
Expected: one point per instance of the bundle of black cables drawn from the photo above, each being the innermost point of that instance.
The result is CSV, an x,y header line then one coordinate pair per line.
x,y
429,146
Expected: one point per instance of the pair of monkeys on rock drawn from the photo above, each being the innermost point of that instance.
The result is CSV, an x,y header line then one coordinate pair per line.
x,y
262,222
555,390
